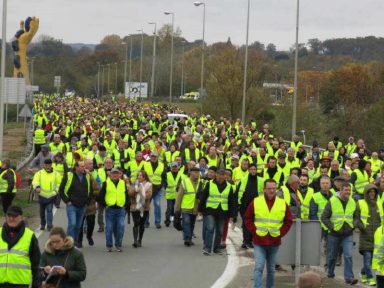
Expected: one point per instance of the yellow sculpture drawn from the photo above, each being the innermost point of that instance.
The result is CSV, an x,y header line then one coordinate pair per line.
x,y
22,38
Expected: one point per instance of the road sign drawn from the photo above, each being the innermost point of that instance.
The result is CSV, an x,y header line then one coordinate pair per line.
x,y
15,90
132,89
25,111
57,81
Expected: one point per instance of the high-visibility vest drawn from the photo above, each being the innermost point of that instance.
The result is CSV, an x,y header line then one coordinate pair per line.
x,y
377,241
58,167
276,177
170,157
364,211
306,203
70,160
243,186
154,176
39,136
361,181
295,163
170,192
49,183
261,163
321,202
296,146
287,195
70,179
189,196
4,183
102,174
135,169
15,264
99,160
110,146
187,154
56,148
286,171
339,215
115,195
213,161
215,198
239,174
269,221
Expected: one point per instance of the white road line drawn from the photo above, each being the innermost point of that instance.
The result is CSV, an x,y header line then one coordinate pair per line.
x,y
232,264
38,232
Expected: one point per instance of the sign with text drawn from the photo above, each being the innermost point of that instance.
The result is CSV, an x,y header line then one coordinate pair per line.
x,y
136,90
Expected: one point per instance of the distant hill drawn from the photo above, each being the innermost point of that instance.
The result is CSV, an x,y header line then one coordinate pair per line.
x,y
78,46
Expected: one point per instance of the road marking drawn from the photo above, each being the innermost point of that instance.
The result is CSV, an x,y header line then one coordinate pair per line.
x,y
232,264
38,232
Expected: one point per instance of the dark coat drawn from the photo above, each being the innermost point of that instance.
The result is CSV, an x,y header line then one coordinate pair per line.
x,y
374,221
74,263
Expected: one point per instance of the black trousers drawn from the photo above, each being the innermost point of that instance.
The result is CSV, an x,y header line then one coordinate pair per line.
x,y
37,148
90,227
247,236
379,281
138,224
6,199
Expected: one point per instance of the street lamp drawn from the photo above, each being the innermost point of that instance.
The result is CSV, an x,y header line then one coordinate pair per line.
x,y
125,66
130,69
245,67
294,104
102,81
197,4
141,60
2,96
171,73
109,71
153,59
182,69
116,79
98,80
32,70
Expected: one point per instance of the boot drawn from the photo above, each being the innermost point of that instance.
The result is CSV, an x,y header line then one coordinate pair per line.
x,y
141,233
135,234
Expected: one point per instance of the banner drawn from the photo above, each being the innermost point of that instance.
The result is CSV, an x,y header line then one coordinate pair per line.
x,y
135,90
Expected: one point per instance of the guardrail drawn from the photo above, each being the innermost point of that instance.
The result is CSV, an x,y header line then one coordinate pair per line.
x,y
29,148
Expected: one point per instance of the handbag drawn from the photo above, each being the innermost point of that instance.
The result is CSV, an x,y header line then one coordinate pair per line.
x,y
52,285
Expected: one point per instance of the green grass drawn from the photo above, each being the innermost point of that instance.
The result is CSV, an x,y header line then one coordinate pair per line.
x,y
13,125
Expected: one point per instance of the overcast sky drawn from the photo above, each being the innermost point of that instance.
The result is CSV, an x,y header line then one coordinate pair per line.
x,y
271,21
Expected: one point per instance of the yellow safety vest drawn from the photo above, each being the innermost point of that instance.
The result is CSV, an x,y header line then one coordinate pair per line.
x,y
170,157
154,176
321,202
135,169
15,264
239,174
287,195
39,136
56,148
58,167
269,221
115,195
4,183
70,179
215,198
170,192
49,183
364,211
187,154
361,181
339,215
377,245
243,186
276,177
306,203
189,196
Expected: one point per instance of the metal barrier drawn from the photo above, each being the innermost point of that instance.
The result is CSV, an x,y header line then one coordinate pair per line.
x,y
29,148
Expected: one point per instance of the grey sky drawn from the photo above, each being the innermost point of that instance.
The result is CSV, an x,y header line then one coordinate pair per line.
x,y
272,21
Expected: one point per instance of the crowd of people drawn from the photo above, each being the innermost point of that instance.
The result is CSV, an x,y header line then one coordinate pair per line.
x,y
106,160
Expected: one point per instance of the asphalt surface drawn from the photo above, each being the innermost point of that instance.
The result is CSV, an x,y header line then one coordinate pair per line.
x,y
163,261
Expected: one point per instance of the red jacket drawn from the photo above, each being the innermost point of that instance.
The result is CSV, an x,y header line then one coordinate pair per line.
x,y
268,240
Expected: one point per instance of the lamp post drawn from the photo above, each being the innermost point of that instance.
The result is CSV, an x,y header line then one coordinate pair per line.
x,y
153,60
197,4
115,79
182,69
130,70
2,96
102,81
294,104
108,77
98,79
125,66
32,70
141,60
171,72
245,68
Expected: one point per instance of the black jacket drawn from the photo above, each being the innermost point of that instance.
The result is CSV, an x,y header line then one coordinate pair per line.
x,y
9,177
250,193
218,212
78,193
34,251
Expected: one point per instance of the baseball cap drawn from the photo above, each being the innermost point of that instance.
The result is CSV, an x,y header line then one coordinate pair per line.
x,y
154,153
115,170
44,147
235,157
339,178
14,211
174,163
194,169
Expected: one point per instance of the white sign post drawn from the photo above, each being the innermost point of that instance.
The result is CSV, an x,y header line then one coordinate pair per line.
x,y
134,90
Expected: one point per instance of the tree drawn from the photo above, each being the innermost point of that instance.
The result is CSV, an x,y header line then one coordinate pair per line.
x,y
112,40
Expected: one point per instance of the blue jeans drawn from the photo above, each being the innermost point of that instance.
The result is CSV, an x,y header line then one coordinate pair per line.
x,y
75,217
46,206
262,254
346,242
214,227
188,225
367,264
157,211
114,225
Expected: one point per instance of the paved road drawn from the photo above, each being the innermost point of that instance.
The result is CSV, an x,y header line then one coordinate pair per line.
x,y
163,261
